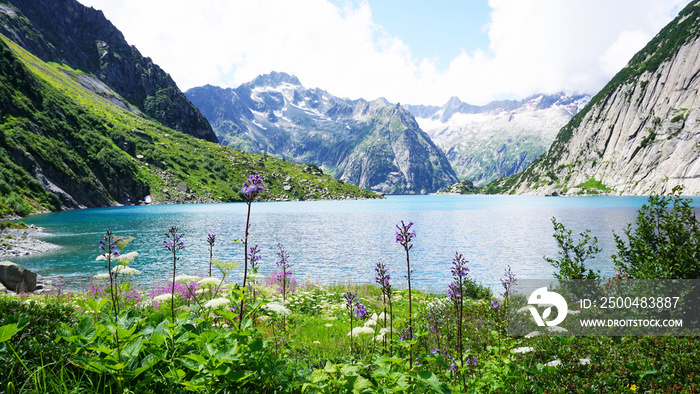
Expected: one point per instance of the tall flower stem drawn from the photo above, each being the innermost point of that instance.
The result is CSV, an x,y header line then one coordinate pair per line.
x,y
404,235
173,242
110,250
456,294
382,279
245,266
251,189
211,238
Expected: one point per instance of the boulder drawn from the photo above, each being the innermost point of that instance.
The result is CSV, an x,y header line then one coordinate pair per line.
x,y
17,278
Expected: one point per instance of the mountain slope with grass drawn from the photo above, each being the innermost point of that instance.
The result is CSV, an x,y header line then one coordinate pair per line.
x,y
67,32
375,145
64,145
639,135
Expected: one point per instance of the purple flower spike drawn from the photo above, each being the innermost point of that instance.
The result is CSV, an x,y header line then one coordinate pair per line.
x,y
404,235
211,238
252,187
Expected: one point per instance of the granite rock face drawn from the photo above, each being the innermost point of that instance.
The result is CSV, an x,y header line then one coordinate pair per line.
x,y
640,135
65,31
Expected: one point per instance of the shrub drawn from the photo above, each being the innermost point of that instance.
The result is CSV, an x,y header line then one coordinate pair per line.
x,y
664,244
572,255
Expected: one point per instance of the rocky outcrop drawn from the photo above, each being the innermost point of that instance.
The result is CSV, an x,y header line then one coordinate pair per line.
x,y
16,278
499,139
461,187
375,145
65,31
640,135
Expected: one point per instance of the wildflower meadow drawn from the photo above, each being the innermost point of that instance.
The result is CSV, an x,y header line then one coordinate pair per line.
x,y
272,334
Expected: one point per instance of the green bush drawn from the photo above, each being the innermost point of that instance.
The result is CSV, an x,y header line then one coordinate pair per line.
x,y
664,243
573,255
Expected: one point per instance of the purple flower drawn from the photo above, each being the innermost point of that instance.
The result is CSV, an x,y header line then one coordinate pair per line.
x,y
173,242
109,246
254,256
382,278
434,319
211,238
495,303
454,292
360,310
350,299
404,235
459,266
508,281
406,334
252,187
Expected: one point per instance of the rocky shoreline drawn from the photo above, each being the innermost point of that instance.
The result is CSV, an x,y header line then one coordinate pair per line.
x,y
22,242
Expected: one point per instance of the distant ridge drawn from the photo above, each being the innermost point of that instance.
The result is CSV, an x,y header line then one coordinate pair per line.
x,y
500,138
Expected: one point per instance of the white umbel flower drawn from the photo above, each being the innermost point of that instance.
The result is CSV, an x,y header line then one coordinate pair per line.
x,y
277,308
217,303
209,282
127,258
361,330
553,363
101,276
186,279
163,297
122,269
524,349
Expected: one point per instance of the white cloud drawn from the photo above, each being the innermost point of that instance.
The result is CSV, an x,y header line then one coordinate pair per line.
x,y
536,46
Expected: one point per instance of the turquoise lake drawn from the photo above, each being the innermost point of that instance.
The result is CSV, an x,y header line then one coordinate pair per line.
x,y
341,241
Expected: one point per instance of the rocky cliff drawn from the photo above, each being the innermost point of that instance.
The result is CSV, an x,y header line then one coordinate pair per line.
x,y
640,134
375,145
499,139
65,31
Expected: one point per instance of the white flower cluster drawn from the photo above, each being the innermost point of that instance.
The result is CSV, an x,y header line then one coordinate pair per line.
x,y
361,330
124,270
186,279
523,349
217,303
209,282
163,297
278,308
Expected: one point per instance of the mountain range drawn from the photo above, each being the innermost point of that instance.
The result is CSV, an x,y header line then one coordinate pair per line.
x,y
639,135
499,139
375,145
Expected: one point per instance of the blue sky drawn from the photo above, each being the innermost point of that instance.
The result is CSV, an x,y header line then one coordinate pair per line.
x,y
439,29
415,52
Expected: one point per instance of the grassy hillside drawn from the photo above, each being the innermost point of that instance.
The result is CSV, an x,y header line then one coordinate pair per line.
x,y
62,131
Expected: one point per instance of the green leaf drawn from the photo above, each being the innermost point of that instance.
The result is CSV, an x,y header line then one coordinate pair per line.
x,y
433,382
133,348
7,331
104,350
